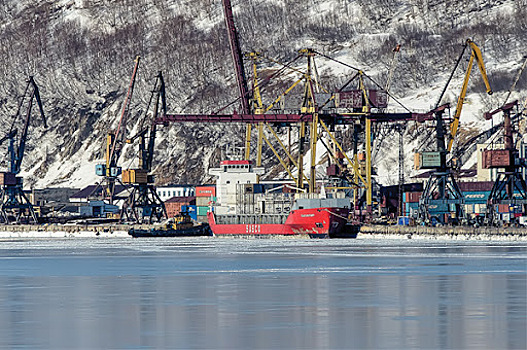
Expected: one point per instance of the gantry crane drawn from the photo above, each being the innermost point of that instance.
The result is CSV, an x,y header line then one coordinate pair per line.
x,y
15,206
110,170
441,195
143,203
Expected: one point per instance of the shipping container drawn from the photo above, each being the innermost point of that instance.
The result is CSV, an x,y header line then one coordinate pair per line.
x,y
203,201
403,221
503,208
205,191
438,208
414,205
479,197
475,186
497,158
202,210
412,197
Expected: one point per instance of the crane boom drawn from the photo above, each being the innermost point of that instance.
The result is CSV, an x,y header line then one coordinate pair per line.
x,y
475,55
159,89
18,155
113,156
236,55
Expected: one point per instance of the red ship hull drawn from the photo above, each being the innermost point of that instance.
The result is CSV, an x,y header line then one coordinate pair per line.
x,y
314,222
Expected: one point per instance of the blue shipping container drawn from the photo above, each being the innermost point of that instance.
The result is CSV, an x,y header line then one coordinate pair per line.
x,y
403,221
438,208
476,197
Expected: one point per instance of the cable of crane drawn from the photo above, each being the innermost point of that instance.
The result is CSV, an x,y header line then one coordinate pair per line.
x,y
265,81
366,75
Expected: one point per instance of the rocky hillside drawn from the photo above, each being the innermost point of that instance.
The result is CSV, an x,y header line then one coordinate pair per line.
x,y
81,54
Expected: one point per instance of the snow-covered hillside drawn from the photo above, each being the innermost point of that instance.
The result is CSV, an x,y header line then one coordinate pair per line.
x,y
81,54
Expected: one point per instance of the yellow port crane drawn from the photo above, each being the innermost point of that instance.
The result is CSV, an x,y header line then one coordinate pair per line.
x,y
441,191
477,56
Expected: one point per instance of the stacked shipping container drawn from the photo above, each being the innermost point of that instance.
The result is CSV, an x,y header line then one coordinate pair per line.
x,y
411,202
204,196
175,205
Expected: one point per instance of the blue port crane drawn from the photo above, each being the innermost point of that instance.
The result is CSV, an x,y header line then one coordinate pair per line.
x,y
14,204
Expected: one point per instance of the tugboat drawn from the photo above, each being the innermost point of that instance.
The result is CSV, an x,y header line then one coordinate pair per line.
x,y
179,226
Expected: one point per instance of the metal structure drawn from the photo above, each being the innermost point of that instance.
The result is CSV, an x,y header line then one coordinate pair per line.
x,y
509,188
442,198
110,170
441,194
14,204
316,115
143,203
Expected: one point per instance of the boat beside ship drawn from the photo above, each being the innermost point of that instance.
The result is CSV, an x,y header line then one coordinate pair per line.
x,y
181,225
245,208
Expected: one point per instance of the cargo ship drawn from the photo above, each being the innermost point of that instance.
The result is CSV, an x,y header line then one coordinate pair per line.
x,y
242,207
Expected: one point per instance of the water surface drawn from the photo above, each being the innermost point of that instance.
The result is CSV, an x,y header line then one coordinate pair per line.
x,y
251,294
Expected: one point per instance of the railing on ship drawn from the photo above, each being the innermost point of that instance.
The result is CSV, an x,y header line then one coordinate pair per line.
x,y
251,219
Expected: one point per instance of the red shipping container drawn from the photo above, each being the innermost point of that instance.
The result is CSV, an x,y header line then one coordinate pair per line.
x,y
475,186
205,191
413,197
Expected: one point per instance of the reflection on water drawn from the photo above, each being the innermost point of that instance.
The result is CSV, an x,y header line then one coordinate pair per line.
x,y
262,294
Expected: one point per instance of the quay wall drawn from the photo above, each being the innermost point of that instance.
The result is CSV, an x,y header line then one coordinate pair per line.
x,y
60,231
443,232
